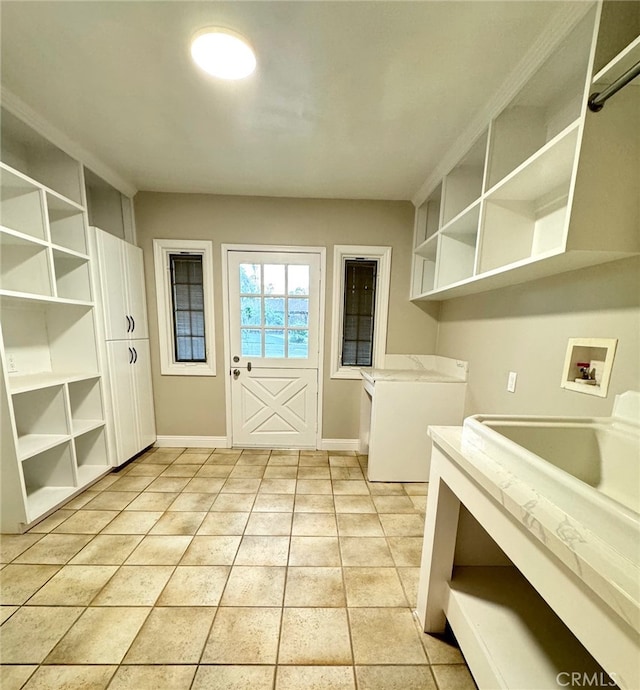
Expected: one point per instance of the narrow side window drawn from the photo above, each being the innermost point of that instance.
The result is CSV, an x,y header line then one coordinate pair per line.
x,y
184,290
359,312
187,294
361,280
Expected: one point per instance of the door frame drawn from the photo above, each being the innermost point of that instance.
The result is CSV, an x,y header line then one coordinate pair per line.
x,y
293,249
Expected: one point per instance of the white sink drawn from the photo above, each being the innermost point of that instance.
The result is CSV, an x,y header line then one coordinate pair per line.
x,y
587,467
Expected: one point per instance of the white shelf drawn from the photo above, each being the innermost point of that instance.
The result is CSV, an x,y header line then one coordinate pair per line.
x,y
554,175
72,279
91,454
25,266
48,479
34,444
66,223
511,638
89,473
428,248
83,426
55,440
546,170
23,236
43,499
15,297
22,204
29,382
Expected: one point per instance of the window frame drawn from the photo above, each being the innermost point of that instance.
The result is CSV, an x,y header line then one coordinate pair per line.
x,y
382,255
162,250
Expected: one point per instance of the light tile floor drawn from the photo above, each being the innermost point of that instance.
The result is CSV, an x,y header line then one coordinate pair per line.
x,y
194,569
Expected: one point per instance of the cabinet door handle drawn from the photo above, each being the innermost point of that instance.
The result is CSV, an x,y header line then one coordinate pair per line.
x,y
133,324
128,323
130,355
135,355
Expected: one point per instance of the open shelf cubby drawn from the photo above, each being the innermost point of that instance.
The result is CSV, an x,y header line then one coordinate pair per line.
x,y
33,155
457,247
463,185
526,216
41,420
508,631
425,261
548,103
48,479
45,338
24,265
67,225
21,205
91,455
105,205
85,399
73,280
428,217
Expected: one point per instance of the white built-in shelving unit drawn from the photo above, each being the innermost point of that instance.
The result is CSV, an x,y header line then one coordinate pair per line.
x,y
549,186
52,414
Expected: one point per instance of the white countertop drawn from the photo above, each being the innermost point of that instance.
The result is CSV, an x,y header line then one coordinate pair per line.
x,y
414,375
615,579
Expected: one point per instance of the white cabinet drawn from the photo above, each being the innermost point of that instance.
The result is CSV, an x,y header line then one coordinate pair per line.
x,y
549,186
51,391
122,282
130,381
119,277
397,405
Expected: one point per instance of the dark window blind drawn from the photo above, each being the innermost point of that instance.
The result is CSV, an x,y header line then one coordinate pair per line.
x,y
358,312
187,293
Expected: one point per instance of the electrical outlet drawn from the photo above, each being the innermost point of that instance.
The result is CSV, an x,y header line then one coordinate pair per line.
x,y
11,363
511,383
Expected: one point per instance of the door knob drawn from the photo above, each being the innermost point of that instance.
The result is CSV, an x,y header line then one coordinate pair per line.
x,y
236,373
236,359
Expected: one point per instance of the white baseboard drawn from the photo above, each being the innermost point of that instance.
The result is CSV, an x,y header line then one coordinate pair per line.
x,y
222,442
340,444
191,442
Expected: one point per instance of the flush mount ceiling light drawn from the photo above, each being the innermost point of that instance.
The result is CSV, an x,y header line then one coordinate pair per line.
x,y
223,53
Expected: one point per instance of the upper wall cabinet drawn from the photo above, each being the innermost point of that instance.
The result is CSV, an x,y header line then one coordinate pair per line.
x,y
549,186
121,276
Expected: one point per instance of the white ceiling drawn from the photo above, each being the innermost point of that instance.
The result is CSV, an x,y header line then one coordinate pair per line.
x,y
351,99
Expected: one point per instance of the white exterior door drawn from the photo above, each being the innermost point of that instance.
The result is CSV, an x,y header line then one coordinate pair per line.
x,y
273,334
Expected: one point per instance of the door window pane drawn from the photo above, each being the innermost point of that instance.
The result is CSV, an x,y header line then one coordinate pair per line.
x,y
298,276
298,312
274,311
250,279
274,279
298,343
250,311
251,342
273,343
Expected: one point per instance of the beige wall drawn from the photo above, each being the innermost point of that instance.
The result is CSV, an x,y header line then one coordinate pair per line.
x,y
525,329
195,406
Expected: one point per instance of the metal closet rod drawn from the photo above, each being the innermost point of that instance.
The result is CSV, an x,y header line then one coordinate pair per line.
x,y
597,100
